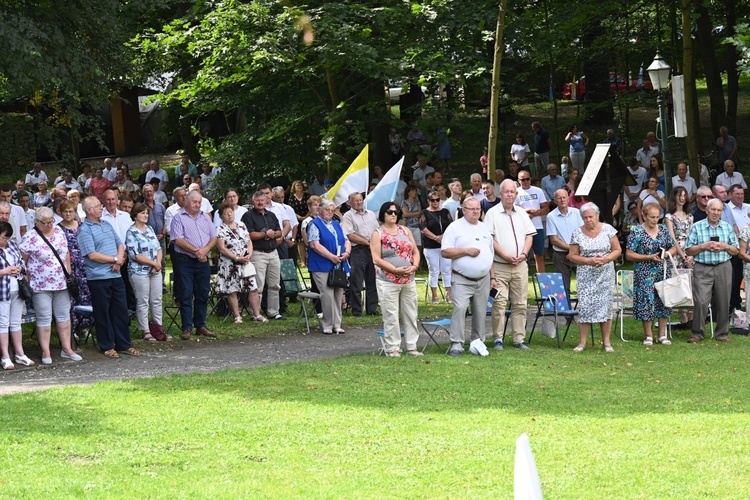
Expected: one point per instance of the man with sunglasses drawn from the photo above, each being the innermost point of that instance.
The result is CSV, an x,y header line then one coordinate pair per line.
x,y
534,201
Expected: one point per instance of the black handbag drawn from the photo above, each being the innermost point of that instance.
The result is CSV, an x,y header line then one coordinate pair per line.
x,y
70,281
24,288
337,277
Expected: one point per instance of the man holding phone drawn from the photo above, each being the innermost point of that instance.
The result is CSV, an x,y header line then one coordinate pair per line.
x,y
712,243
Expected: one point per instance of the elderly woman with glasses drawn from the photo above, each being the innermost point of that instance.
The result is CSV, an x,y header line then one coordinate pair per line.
x,y
329,247
11,304
396,258
434,221
45,251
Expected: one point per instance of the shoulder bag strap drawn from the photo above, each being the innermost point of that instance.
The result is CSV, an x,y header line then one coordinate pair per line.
x,y
65,271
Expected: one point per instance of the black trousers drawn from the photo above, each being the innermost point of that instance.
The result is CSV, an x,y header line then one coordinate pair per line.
x,y
362,277
735,302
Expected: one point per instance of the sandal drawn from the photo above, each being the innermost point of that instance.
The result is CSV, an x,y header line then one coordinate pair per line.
x,y
435,300
260,319
393,354
238,319
665,341
579,348
131,352
414,353
608,348
7,364
111,353
648,342
148,337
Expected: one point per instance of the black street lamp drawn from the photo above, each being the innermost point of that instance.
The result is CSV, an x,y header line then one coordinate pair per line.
x,y
659,73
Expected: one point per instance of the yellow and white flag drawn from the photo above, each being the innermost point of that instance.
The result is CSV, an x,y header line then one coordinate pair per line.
x,y
354,180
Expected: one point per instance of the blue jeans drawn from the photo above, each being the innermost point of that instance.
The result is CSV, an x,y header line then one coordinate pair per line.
x,y
110,314
195,279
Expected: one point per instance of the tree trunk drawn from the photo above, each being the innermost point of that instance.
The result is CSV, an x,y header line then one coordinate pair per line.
x,y
598,103
188,141
495,97
704,26
693,120
733,76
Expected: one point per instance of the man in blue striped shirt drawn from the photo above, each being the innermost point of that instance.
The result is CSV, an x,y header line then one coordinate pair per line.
x,y
712,243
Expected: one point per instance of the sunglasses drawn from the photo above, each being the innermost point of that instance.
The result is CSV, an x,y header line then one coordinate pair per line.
x,y
525,179
434,199
705,196
392,212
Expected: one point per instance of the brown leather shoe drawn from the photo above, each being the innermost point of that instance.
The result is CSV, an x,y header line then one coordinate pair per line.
x,y
202,330
694,340
186,334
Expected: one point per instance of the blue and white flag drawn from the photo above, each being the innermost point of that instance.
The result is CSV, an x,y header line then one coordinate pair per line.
x,y
386,188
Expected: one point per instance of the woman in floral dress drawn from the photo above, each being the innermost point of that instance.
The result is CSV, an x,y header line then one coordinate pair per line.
x,y
594,248
69,226
645,246
235,250
679,222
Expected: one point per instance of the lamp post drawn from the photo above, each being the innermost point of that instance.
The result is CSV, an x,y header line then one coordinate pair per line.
x,y
658,72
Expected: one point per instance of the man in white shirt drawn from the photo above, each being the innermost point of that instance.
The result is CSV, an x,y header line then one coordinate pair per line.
x,y
469,245
640,175
17,214
68,182
289,238
682,179
561,223
534,201
738,208
729,177
421,169
120,221
644,154
158,172
476,186
35,176
109,172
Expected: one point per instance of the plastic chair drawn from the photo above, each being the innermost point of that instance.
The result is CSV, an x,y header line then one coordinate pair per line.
x,y
623,299
552,301
433,327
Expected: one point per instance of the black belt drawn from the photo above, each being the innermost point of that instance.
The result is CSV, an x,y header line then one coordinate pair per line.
x,y
561,251
711,265
464,276
265,251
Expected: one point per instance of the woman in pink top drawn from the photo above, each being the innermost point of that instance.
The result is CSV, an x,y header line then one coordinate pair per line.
x,y
98,183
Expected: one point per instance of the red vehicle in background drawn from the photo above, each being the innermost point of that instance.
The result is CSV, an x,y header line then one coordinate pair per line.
x,y
617,83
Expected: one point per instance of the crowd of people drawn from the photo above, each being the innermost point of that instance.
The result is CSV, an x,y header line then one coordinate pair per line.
x,y
102,240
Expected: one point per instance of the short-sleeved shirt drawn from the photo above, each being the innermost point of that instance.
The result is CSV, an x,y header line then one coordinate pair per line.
x,y
102,238
688,184
420,175
739,215
197,230
562,225
261,222
728,182
550,185
702,232
44,270
362,223
160,174
121,222
510,230
156,216
34,178
532,197
462,234
143,243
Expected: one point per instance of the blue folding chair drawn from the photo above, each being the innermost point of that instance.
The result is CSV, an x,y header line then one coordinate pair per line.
x,y
432,327
552,301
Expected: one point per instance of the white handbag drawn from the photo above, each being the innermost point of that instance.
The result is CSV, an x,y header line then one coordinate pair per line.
x,y
248,270
676,291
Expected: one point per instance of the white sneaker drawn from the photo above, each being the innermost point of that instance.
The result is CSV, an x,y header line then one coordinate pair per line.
x,y
72,357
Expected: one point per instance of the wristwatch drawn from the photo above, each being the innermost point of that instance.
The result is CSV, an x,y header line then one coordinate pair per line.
x,y
115,260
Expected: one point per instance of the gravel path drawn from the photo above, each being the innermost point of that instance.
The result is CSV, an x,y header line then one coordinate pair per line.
x,y
177,356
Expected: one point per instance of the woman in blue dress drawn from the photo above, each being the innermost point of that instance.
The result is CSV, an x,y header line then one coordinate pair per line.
x,y
647,244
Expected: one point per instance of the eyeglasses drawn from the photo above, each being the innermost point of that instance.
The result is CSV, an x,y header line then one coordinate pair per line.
x,y
525,179
434,199
471,209
46,223
392,212
705,196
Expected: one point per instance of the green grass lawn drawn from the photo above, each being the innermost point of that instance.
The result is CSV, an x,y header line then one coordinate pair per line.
x,y
651,423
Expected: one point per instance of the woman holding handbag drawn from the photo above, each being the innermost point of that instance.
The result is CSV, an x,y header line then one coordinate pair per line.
x,y
235,249
647,247
12,271
45,251
396,258
329,249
